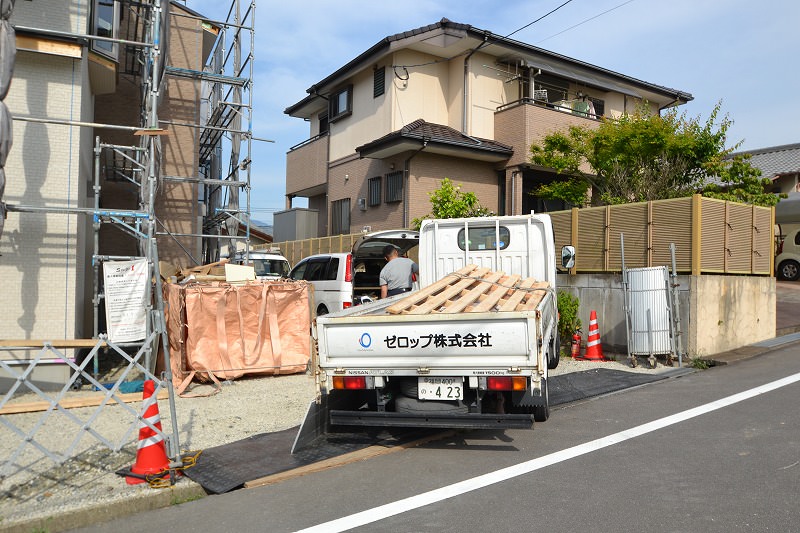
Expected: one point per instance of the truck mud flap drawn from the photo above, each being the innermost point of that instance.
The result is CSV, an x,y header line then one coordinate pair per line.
x,y
431,420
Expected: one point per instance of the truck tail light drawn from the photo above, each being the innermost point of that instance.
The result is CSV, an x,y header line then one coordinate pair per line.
x,y
349,382
517,383
348,268
345,305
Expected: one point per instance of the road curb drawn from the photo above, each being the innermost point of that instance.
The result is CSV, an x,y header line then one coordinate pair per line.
x,y
752,350
184,491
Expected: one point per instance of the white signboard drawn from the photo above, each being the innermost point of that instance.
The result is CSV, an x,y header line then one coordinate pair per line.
x,y
126,284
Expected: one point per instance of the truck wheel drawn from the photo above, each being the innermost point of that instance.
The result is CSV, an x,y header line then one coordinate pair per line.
x,y
409,387
322,310
554,357
541,412
413,406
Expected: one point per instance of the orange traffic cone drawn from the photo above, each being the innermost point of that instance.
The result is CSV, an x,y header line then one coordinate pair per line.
x,y
594,352
151,457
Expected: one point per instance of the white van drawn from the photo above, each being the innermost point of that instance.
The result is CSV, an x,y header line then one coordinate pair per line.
x,y
787,260
269,265
343,279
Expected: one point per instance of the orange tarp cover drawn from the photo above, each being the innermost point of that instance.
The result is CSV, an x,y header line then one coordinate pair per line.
x,y
219,330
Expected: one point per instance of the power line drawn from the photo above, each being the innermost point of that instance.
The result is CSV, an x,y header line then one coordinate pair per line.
x,y
445,59
585,21
537,20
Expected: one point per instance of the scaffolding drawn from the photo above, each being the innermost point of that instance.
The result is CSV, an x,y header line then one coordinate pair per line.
x,y
226,86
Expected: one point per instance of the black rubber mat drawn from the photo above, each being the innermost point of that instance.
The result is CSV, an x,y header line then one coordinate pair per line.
x,y
227,467
567,388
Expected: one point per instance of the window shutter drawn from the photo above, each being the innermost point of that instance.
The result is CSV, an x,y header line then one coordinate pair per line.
x,y
379,82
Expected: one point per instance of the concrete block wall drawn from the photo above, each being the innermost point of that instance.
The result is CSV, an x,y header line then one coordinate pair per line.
x,y
718,313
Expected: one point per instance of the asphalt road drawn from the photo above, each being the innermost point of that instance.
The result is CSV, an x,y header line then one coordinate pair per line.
x,y
717,450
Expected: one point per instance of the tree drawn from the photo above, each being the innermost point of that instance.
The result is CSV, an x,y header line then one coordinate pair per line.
x,y
741,182
449,202
638,157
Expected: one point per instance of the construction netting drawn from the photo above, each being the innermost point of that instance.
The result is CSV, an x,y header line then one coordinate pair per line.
x,y
8,51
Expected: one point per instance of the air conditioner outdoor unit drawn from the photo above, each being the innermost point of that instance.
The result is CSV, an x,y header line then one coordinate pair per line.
x,y
362,204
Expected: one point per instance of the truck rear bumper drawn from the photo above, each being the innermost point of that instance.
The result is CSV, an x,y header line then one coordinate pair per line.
x,y
431,420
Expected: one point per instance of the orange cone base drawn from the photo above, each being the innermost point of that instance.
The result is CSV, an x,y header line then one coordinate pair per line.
x,y
150,460
596,355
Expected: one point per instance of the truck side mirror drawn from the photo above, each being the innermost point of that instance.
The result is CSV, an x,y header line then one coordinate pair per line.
x,y
568,256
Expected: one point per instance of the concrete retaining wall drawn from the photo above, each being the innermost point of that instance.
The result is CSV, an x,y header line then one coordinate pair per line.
x,y
718,313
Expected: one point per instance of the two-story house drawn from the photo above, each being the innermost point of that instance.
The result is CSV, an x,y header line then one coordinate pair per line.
x,y
446,100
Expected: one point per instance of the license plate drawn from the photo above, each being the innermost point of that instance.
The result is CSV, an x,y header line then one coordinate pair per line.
x,y
441,388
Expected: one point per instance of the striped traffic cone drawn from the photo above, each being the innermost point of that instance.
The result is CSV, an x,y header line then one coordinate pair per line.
x,y
151,457
594,352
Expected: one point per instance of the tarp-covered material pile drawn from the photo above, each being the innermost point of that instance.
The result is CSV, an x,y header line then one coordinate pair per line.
x,y
219,330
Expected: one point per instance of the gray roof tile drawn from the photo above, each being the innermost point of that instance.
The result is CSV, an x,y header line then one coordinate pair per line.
x,y
775,160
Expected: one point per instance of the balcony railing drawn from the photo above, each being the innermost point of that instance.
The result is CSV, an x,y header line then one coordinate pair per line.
x,y
307,164
526,121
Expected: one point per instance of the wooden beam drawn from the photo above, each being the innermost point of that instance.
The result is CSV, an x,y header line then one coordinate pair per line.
x,y
45,45
74,403
58,343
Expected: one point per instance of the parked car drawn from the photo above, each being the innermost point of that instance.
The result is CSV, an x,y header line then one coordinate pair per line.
x,y
787,260
268,264
344,279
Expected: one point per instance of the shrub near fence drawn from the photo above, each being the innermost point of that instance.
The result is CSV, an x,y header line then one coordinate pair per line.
x,y
710,236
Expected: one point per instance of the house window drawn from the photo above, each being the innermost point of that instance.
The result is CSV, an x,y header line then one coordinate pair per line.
x,y
340,104
340,216
557,88
394,187
599,106
374,186
323,123
105,23
378,82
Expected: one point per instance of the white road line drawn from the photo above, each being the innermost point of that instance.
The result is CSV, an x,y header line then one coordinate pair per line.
x,y
415,502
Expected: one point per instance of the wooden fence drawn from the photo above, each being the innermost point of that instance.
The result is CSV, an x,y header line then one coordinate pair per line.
x,y
710,236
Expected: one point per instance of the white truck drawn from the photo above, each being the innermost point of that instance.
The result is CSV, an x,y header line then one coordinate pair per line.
x,y
409,361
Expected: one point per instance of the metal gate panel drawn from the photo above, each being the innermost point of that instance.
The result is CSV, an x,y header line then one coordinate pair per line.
x,y
649,311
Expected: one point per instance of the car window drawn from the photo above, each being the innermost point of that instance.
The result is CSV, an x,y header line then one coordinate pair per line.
x,y
797,238
316,269
299,270
270,267
333,269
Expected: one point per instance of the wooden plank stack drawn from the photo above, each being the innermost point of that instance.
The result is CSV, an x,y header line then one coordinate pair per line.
x,y
473,290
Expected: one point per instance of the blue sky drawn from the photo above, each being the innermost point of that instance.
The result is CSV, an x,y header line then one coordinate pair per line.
x,y
739,52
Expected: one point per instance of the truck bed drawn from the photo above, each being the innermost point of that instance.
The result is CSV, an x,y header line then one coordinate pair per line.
x,y
471,319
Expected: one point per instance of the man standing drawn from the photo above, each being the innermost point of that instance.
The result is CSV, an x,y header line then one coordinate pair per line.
x,y
396,276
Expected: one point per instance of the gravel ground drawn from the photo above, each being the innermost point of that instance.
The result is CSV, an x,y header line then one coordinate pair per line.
x,y
37,488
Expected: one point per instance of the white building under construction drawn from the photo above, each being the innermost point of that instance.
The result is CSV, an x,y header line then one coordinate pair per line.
x,y
121,112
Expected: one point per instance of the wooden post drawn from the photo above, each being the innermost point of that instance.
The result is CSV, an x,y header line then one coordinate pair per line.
x,y
772,241
607,240
697,234
574,224
650,233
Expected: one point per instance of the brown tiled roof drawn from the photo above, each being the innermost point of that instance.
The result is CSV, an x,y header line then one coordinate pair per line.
x,y
438,134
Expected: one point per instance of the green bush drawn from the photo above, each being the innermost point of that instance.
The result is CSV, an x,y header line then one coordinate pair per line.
x,y
568,321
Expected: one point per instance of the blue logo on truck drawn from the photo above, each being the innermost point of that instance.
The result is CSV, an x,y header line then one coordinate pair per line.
x,y
365,341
